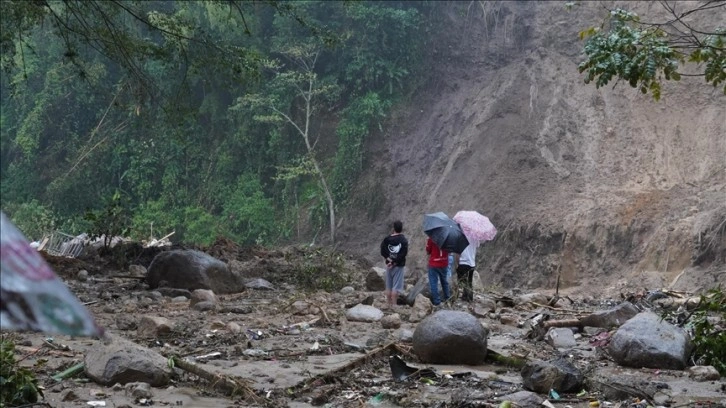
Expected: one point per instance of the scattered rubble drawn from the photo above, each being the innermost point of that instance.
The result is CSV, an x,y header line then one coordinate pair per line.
x,y
293,346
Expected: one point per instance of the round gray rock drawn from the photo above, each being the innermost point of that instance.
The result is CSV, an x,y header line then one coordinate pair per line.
x,y
646,340
188,269
450,337
121,361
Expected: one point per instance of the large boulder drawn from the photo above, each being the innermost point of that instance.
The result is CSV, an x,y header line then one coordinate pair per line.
x,y
121,361
450,337
648,341
189,269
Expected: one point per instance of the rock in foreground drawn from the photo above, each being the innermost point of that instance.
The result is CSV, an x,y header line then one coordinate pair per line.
x,y
450,337
122,361
648,341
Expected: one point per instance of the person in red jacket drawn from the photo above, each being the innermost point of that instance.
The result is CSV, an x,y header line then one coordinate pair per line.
x,y
438,262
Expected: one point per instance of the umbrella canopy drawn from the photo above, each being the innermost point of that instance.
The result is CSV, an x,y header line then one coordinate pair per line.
x,y
476,226
445,232
33,298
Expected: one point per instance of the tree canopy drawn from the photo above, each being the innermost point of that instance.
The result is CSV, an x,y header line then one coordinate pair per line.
x,y
139,104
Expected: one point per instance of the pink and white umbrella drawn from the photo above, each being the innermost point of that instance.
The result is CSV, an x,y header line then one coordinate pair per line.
x,y
476,226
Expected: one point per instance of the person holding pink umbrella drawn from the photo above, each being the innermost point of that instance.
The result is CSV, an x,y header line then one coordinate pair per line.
x,y
477,228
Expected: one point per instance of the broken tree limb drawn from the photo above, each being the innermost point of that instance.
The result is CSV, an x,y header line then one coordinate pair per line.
x,y
306,385
562,323
225,384
70,372
509,361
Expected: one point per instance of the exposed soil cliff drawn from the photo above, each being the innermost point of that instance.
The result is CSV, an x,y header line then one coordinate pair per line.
x,y
604,188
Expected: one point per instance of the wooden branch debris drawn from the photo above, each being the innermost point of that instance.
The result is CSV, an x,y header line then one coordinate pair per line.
x,y
225,384
306,385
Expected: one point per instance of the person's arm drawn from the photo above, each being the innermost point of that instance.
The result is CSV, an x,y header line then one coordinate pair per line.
x,y
384,249
404,248
428,246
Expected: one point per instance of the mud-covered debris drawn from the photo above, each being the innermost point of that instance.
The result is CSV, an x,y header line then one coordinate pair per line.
x,y
523,399
613,317
174,292
647,340
259,284
402,371
559,375
535,298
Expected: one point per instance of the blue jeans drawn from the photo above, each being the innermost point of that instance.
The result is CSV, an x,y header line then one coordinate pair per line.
x,y
436,275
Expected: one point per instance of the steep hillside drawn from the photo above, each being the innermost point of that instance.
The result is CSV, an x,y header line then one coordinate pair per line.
x,y
605,188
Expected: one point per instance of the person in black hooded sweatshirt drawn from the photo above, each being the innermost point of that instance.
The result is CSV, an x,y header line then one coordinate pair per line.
x,y
394,249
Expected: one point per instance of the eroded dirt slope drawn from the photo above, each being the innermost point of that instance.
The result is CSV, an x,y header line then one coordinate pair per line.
x,y
606,188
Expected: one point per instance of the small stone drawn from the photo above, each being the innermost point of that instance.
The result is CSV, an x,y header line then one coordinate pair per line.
x,y
218,324
125,322
392,321
406,335
154,326
204,306
179,299
137,270
234,328
703,373
508,319
139,390
237,309
347,290
203,295
300,307
82,275
155,294
661,399
69,395
560,337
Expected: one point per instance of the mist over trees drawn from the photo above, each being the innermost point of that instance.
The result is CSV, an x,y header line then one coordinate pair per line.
x,y
199,117
236,118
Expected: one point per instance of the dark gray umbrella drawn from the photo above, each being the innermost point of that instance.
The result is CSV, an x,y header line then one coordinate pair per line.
x,y
445,232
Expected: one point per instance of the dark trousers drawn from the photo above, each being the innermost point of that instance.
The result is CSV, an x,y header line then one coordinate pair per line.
x,y
465,277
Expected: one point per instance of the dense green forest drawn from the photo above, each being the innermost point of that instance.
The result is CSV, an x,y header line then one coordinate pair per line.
x,y
208,118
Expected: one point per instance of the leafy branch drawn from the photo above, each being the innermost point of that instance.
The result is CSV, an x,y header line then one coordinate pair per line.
x,y
644,54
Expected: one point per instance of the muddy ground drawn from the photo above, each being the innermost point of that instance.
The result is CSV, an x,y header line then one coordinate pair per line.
x,y
282,350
